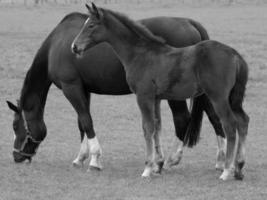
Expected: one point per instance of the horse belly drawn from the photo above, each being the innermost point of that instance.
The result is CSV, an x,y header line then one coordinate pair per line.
x,y
181,91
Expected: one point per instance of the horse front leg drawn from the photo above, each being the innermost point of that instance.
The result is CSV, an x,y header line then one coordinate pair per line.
x,y
80,100
83,152
147,108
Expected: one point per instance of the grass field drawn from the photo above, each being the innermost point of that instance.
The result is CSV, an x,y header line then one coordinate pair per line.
x,y
117,119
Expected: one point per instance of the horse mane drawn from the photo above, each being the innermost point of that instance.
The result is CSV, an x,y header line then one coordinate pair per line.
x,y
136,27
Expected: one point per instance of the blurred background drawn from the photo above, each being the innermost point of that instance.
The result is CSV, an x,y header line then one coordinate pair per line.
x,y
187,2
24,25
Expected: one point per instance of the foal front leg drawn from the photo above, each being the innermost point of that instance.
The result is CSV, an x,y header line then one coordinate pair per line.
x,y
159,159
147,109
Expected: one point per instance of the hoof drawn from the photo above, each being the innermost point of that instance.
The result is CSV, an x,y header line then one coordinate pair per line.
x,y
226,174
172,162
239,176
147,172
158,167
94,168
77,164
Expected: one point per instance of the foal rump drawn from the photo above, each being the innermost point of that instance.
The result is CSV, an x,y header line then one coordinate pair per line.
x,y
237,92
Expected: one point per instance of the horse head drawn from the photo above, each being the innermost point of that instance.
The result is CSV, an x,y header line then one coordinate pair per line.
x,y
29,133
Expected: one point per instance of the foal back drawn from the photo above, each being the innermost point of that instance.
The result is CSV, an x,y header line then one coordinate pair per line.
x,y
208,67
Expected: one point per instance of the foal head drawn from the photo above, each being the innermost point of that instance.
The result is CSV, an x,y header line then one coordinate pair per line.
x,y
28,134
92,32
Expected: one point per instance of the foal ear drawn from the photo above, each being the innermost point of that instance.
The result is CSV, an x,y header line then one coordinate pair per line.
x,y
96,11
89,8
12,106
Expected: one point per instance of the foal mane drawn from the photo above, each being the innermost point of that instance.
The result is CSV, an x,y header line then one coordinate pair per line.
x,y
136,27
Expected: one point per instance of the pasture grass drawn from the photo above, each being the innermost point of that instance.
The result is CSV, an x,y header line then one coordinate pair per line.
x,y
117,119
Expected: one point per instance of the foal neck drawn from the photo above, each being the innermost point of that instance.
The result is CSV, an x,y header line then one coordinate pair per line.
x,y
130,39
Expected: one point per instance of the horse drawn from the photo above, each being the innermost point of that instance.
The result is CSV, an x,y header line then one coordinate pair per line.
x,y
100,72
156,71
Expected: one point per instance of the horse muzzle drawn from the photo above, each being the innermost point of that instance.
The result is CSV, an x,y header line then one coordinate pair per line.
x,y
76,50
18,158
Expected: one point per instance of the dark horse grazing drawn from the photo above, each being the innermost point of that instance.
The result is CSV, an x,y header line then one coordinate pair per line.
x,y
156,71
99,71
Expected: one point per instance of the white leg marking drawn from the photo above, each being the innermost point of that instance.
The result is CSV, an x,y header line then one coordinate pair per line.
x,y
96,152
227,173
83,153
147,171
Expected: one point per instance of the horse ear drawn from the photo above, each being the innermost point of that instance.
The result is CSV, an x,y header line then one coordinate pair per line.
x,y
96,11
89,8
12,106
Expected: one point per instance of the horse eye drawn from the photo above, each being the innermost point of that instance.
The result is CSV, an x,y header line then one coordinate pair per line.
x,y
91,25
15,127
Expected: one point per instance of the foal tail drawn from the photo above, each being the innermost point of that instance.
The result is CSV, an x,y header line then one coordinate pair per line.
x,y
237,93
194,127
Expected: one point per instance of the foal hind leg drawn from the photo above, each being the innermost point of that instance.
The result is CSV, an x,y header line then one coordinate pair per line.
x,y
215,121
159,156
242,129
229,125
181,118
147,108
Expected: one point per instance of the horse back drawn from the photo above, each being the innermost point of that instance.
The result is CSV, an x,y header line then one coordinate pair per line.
x,y
99,70
178,32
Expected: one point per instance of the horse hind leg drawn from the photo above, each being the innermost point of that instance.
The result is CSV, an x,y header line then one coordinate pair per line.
x,y
229,124
242,128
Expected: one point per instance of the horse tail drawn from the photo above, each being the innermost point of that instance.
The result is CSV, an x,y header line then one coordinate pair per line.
x,y
194,127
237,93
202,31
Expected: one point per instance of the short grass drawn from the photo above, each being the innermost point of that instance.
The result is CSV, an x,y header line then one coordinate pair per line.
x,y
117,119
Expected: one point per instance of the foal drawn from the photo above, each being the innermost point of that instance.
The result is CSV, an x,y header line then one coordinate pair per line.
x,y
157,71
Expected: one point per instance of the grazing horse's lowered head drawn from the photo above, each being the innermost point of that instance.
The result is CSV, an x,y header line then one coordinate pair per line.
x,y
29,133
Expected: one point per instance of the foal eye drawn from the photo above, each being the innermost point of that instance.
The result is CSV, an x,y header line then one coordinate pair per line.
x,y
15,127
91,25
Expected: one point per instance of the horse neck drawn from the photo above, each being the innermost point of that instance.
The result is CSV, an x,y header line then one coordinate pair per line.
x,y
36,86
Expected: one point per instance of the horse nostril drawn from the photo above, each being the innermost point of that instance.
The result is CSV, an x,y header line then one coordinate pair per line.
x,y
74,48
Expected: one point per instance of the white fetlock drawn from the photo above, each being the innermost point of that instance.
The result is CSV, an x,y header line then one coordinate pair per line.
x,y
77,163
96,152
227,173
147,172
95,163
